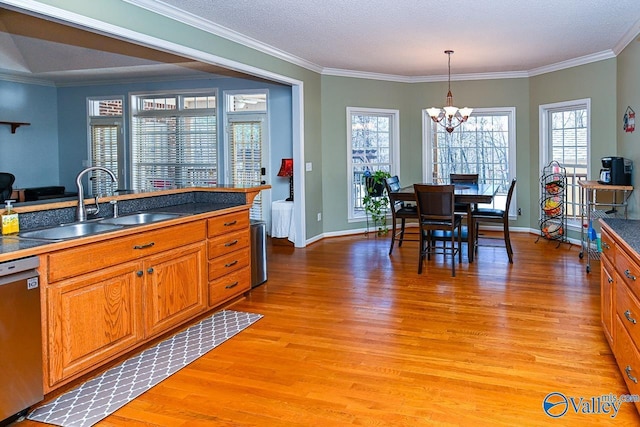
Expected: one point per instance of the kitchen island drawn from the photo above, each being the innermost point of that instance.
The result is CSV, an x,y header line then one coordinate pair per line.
x,y
107,294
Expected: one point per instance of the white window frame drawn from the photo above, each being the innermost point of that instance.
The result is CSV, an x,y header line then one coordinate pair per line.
x,y
111,120
180,95
545,141
427,137
394,145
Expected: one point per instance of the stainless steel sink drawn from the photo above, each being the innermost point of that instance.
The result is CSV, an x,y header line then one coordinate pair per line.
x,y
69,231
139,218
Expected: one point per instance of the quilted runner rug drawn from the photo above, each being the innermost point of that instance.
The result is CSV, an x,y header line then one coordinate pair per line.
x,y
103,395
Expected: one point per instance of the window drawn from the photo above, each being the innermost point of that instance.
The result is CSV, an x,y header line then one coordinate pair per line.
x,y
485,145
174,140
105,140
564,134
373,144
247,144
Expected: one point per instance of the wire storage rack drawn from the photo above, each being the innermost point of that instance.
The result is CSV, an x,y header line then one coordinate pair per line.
x,y
553,218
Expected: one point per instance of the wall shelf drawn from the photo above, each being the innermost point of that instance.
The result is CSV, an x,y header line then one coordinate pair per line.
x,y
14,125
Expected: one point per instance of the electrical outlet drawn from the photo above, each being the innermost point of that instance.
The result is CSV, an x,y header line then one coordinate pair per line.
x,y
308,167
519,211
319,216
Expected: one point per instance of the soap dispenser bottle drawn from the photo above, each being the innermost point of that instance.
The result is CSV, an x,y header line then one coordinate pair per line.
x,y
10,221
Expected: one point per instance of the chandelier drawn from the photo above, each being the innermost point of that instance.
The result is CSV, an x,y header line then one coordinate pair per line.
x,y
449,117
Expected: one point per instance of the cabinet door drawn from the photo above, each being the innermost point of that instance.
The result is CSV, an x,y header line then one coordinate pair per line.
x,y
175,287
607,310
92,318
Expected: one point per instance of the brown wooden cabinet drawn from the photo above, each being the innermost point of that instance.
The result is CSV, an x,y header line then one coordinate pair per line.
x,y
91,318
229,255
175,287
620,291
607,280
106,298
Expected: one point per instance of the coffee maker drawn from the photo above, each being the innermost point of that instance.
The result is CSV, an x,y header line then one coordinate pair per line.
x,y
615,171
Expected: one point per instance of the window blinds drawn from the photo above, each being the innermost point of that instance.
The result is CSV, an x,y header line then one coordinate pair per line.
x,y
246,158
104,152
174,149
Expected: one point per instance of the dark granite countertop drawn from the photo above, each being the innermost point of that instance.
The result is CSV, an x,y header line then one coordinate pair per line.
x,y
627,229
15,244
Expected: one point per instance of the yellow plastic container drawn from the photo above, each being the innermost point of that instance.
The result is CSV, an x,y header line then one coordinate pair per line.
x,y
10,221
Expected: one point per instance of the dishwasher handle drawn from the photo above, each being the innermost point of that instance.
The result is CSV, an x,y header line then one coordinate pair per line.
x,y
24,275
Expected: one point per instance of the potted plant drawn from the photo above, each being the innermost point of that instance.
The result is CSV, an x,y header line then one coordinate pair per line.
x,y
375,201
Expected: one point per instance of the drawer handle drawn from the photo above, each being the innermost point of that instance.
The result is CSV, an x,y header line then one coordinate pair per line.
x,y
231,286
627,314
231,264
606,245
231,243
148,245
229,224
627,371
629,275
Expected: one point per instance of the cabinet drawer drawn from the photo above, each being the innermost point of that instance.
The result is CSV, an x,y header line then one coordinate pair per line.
x,y
229,286
628,310
628,271
83,259
225,264
227,223
227,243
628,359
608,247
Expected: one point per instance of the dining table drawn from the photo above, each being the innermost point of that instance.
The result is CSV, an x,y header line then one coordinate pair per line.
x,y
464,193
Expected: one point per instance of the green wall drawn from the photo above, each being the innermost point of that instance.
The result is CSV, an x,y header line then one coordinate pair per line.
x,y
410,99
326,99
628,92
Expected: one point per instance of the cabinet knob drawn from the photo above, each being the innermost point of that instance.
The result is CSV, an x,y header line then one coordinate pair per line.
x,y
150,270
627,371
627,314
609,279
139,273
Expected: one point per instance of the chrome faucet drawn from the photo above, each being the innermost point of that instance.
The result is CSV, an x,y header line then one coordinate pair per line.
x,y
81,209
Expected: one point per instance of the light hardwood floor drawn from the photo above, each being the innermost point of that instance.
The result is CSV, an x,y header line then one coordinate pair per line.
x,y
353,336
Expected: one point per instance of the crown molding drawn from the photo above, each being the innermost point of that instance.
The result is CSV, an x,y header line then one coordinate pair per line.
x,y
195,21
583,60
627,38
18,78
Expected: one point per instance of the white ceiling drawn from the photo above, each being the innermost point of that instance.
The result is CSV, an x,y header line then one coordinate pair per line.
x,y
394,39
408,37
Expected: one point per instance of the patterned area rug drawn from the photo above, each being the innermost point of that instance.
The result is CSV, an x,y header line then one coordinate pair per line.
x,y
103,395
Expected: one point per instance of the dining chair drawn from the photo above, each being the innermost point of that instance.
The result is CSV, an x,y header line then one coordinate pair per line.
x,y
488,215
463,178
400,211
436,213
6,185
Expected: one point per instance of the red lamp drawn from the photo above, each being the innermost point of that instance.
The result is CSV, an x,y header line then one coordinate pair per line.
x,y
286,169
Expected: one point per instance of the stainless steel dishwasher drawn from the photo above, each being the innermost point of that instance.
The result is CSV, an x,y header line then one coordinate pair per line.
x,y
20,337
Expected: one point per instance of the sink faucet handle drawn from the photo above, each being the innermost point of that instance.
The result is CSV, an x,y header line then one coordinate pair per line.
x,y
94,210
